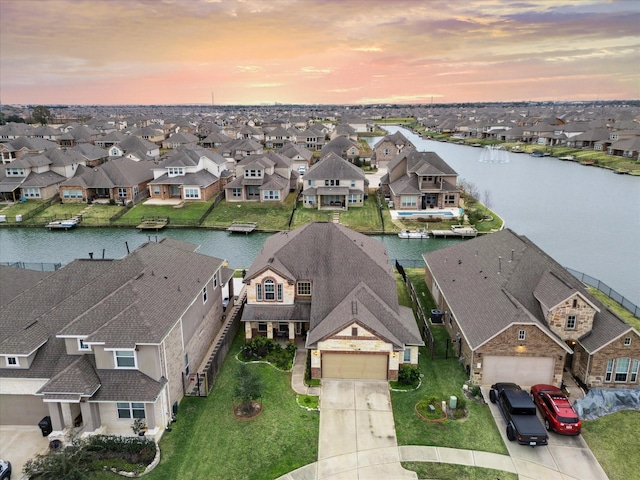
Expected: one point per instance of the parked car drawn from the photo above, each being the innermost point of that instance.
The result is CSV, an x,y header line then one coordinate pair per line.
x,y
556,410
5,470
519,413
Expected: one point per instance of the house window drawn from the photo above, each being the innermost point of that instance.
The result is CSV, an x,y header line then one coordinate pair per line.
x,y
175,171
122,192
522,335
354,331
71,193
332,183
304,288
191,193
354,198
215,280
407,355
449,199
269,290
311,182
253,173
82,345
353,183
156,189
634,371
409,201
236,192
571,322
262,327
12,361
130,410
627,341
186,363
259,292
279,290
205,296
609,372
271,195
574,304
125,358
622,369
31,192
387,151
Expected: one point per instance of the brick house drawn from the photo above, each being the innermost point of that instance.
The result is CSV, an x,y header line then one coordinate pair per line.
x,y
517,315
335,288
420,180
388,148
101,342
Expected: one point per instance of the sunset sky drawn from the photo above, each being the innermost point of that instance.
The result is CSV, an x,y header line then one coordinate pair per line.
x,y
317,51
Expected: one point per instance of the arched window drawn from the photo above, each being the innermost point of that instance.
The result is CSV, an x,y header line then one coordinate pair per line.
x,y
269,290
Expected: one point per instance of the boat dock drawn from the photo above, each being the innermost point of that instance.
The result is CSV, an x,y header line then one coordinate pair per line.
x,y
156,224
64,224
245,228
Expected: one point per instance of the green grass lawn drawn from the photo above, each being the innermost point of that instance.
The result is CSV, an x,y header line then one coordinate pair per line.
x,y
613,439
188,214
100,215
447,471
22,208
616,308
208,442
58,211
361,219
268,216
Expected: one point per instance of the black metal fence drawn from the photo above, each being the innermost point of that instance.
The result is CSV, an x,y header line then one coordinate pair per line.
x,y
608,291
40,267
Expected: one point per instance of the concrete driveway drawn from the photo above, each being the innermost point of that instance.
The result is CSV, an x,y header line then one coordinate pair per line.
x,y
357,434
19,444
570,456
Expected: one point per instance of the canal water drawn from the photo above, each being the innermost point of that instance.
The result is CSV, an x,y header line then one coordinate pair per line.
x,y
586,218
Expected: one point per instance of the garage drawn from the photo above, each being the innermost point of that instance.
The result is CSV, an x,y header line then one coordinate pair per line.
x,y
521,370
360,365
22,409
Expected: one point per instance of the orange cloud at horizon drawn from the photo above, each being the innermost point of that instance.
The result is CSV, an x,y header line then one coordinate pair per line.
x,y
316,51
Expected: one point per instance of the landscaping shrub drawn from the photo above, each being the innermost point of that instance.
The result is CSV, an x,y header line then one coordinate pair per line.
x,y
408,374
263,348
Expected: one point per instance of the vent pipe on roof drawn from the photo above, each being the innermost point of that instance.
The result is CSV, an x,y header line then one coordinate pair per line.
x,y
499,264
511,255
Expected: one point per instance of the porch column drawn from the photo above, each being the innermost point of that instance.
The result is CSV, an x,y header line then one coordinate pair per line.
x,y
55,412
150,414
90,416
270,330
292,331
247,331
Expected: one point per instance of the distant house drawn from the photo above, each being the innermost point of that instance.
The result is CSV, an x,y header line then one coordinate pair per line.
x,y
518,316
345,306
388,147
135,148
301,157
343,147
93,155
420,180
277,137
262,178
98,344
180,139
214,140
110,140
239,149
120,179
192,174
333,183
311,139
628,147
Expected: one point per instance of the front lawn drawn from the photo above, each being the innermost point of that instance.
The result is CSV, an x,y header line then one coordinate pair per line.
x,y
449,471
208,442
613,439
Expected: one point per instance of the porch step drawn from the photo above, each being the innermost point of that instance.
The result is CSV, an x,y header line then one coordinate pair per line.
x,y
336,217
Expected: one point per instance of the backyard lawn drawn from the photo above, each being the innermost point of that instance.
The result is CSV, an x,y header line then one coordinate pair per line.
x,y
268,216
361,219
187,214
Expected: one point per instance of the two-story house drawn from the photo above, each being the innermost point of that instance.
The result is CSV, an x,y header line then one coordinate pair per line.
x,y
301,157
334,183
262,178
518,316
180,139
388,148
189,174
100,343
419,181
343,147
336,288
277,137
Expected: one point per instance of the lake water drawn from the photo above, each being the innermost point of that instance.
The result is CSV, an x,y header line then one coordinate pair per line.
x,y
586,218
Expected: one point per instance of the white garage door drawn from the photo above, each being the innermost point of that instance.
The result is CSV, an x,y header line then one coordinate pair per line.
x,y
343,365
521,370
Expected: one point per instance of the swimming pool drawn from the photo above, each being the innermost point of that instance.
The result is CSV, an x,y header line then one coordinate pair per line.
x,y
430,212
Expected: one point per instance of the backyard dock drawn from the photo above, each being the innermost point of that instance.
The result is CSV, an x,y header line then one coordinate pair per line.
x,y
456,231
157,224
64,224
245,228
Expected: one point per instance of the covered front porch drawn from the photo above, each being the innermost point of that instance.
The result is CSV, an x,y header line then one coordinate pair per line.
x,y
277,330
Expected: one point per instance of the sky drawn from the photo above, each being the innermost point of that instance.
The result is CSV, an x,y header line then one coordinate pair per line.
x,y
248,52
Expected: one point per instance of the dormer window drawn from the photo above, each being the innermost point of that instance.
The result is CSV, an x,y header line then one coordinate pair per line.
x,y
252,173
175,171
125,358
354,331
12,361
304,288
83,346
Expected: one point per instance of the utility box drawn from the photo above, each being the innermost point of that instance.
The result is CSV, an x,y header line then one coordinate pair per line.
x,y
453,402
436,316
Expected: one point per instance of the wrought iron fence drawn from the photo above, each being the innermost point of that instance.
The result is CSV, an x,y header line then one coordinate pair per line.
x,y
607,290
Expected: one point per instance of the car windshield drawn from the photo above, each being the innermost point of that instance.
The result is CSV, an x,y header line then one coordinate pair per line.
x,y
568,419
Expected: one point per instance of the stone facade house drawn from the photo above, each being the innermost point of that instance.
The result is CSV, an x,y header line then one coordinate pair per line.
x,y
388,148
420,181
99,343
343,147
518,316
335,288
262,178
332,183
190,174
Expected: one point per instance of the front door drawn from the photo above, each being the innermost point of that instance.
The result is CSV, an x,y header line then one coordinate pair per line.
x,y
174,190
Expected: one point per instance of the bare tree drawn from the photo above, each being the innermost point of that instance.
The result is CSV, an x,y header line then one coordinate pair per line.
x,y
486,199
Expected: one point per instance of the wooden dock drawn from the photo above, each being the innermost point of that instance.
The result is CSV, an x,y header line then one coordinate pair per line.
x,y
245,228
158,224
456,231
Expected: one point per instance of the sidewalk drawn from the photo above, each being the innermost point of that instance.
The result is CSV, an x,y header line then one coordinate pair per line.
x,y
297,375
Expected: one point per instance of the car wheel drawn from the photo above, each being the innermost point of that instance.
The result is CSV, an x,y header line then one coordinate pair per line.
x,y
492,396
511,435
546,424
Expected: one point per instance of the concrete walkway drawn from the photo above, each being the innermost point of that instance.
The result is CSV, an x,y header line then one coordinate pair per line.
x,y
357,440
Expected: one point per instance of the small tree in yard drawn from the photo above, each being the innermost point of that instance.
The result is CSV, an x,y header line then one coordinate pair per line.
x,y
249,388
69,463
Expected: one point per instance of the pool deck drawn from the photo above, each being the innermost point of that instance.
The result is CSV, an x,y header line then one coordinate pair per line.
x,y
453,212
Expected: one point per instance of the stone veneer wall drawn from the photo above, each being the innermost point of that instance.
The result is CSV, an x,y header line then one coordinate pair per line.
x,y
614,350
583,312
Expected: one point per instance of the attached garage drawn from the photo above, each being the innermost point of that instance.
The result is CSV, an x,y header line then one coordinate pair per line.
x,y
521,370
355,365
22,410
